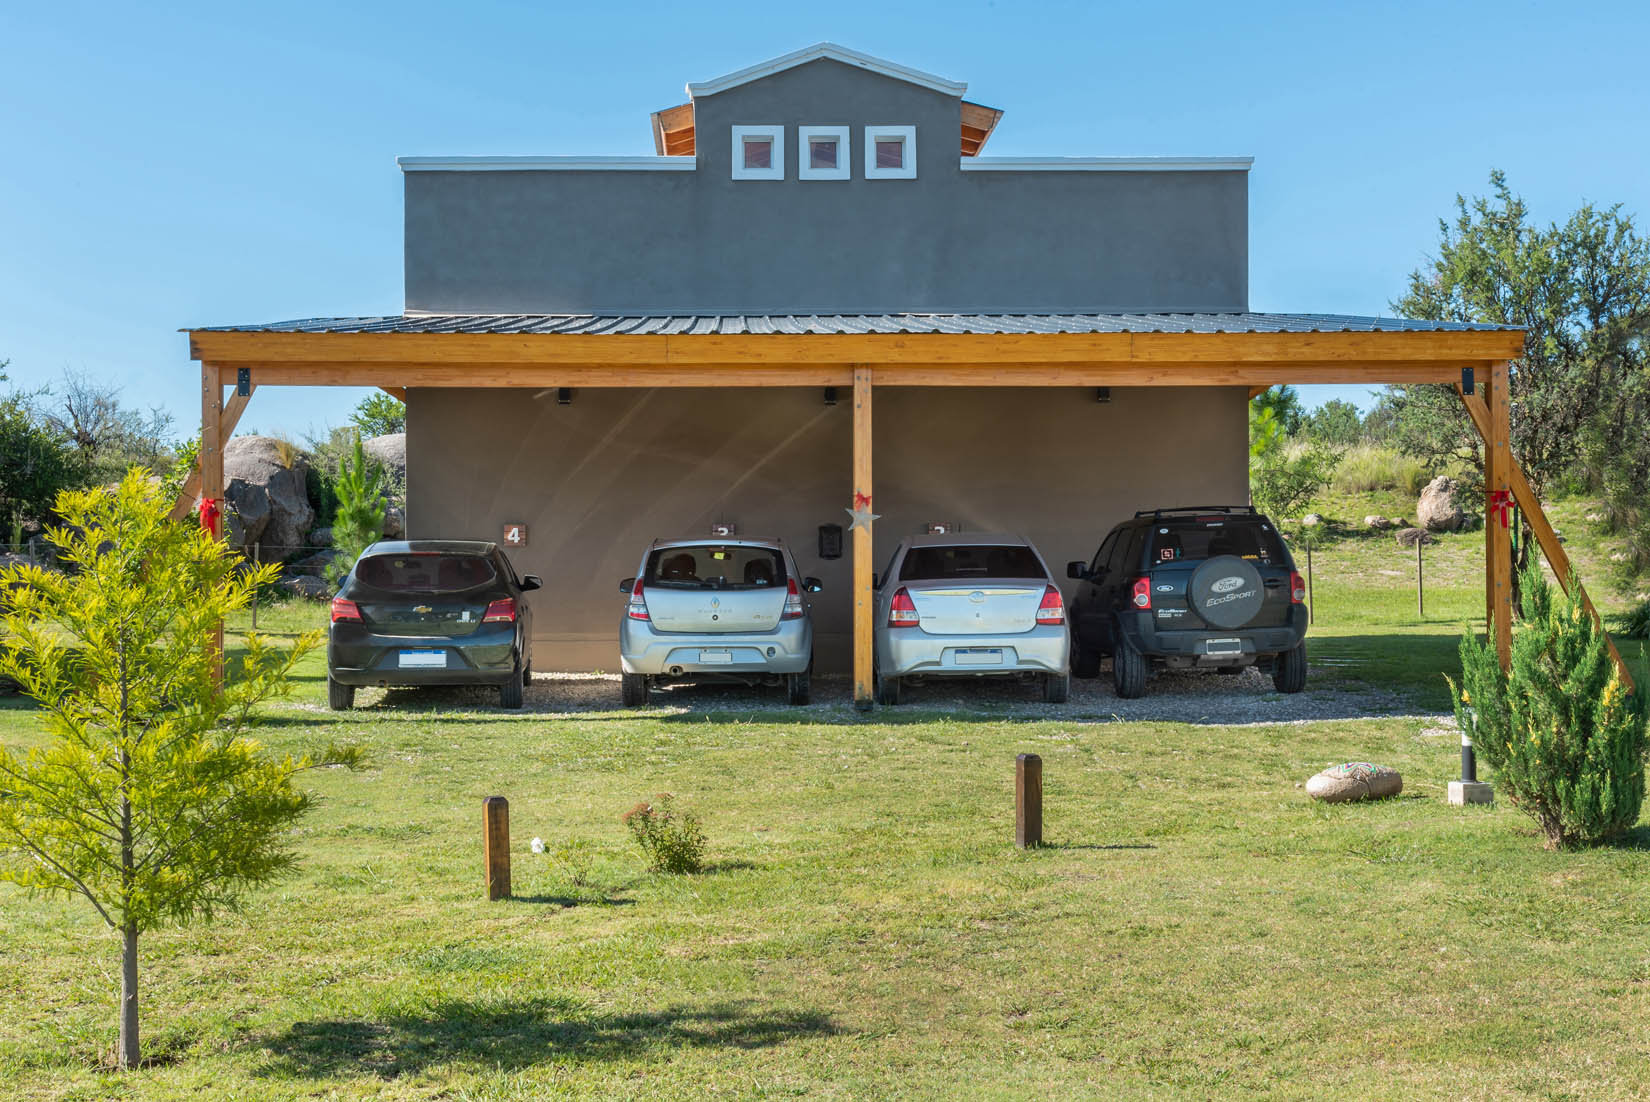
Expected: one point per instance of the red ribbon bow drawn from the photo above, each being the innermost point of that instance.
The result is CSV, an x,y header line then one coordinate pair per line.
x,y
210,514
1501,502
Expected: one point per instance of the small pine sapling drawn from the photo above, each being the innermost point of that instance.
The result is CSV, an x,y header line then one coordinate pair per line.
x,y
360,517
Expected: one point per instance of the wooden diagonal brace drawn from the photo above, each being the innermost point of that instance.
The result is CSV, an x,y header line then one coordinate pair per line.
x,y
1557,558
231,416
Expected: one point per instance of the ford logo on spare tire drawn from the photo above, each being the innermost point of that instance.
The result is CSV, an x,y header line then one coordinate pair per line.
x,y
1226,592
1225,585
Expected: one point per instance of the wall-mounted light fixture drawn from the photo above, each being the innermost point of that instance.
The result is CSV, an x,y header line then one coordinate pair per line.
x,y
1102,394
830,395
564,395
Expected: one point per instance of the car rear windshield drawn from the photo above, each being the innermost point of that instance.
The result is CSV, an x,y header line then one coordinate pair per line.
x,y
930,564
1195,540
714,566
425,572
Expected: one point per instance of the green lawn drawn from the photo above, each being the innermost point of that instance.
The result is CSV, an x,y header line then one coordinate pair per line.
x,y
1197,928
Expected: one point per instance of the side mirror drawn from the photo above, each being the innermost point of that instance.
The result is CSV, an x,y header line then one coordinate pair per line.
x,y
531,582
812,585
1078,570
626,585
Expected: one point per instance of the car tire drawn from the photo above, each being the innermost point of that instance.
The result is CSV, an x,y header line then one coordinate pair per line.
x,y
1128,669
798,687
340,698
1056,688
888,689
633,690
510,693
1289,671
1084,662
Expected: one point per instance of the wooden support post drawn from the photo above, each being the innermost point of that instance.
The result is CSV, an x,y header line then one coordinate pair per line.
x,y
495,845
864,596
1420,584
191,491
1498,491
211,467
1028,801
1545,536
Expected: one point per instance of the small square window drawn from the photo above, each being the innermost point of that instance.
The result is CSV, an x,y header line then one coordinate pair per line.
x,y
890,153
758,152
824,152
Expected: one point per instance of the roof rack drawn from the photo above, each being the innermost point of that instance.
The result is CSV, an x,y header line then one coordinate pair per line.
x,y
1196,509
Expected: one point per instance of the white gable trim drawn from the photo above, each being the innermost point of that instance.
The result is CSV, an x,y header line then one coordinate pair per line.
x,y
1107,164
832,52
546,164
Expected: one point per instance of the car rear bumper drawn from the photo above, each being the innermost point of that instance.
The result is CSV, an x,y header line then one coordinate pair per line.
x,y
1142,632
490,655
903,652
788,648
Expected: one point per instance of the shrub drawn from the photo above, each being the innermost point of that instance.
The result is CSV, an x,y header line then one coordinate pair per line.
x,y
1564,736
1368,467
1635,624
360,515
671,839
572,858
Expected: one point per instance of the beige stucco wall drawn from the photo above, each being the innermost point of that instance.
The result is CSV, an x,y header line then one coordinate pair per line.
x,y
597,480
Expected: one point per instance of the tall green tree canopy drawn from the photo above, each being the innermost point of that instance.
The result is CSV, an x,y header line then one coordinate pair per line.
x,y
379,415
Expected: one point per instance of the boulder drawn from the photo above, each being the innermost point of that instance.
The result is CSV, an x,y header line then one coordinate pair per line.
x,y
1311,520
1409,537
265,484
308,586
1377,522
395,523
1438,510
320,537
1355,780
391,451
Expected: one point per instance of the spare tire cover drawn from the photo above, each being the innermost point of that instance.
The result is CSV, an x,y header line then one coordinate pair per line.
x,y
1226,591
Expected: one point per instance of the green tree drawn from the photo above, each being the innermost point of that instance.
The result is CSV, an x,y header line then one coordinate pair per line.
x,y
1565,737
1337,423
108,437
1283,476
1285,405
380,414
360,517
150,800
36,464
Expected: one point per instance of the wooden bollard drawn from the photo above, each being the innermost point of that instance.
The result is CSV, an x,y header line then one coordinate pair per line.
x,y
1028,801
495,845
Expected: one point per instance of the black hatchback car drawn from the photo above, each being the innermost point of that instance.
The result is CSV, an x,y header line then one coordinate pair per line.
x,y
431,612
1209,587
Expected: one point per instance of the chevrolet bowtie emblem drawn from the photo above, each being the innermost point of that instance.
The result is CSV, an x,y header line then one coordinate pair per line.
x,y
422,609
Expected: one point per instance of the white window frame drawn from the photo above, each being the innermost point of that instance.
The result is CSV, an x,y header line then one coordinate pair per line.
x,y
906,133
776,170
805,136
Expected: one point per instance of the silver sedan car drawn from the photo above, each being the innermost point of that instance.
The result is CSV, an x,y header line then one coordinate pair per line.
x,y
717,610
970,605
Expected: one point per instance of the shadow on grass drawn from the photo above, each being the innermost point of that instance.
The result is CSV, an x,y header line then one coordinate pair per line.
x,y
1096,845
518,1033
594,899
1637,838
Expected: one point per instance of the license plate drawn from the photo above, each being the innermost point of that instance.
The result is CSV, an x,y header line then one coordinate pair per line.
x,y
716,657
423,659
980,656
1224,646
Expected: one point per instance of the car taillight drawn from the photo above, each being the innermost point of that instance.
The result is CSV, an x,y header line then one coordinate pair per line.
x,y
501,611
637,609
345,611
1142,593
793,601
1297,589
1053,609
902,611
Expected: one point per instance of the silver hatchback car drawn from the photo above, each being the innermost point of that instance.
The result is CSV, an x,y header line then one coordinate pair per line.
x,y
717,610
970,605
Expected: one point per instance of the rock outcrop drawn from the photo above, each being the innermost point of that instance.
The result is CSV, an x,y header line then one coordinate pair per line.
x,y
265,485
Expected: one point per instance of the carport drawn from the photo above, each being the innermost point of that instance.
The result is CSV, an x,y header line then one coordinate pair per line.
x,y
416,356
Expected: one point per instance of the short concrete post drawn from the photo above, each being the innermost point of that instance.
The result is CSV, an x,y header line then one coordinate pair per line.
x,y
1469,789
1028,801
495,844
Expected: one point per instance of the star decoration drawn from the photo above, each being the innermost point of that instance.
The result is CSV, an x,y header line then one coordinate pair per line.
x,y
861,512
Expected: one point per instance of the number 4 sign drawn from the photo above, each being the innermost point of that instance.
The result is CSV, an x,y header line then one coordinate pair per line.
x,y
515,535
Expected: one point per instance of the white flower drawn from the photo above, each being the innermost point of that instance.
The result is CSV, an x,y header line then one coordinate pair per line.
x,y
538,845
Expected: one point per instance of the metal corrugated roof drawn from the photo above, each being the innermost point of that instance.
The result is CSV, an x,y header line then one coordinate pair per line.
x,y
695,324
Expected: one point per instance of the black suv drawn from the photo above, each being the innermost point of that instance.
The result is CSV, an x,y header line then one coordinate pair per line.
x,y
1207,587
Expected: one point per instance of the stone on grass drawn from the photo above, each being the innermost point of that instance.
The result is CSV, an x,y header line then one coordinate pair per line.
x,y
1311,520
1438,511
1355,780
395,523
1377,522
1409,537
307,585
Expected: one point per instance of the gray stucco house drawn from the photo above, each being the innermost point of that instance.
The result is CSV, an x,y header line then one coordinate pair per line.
x,y
606,350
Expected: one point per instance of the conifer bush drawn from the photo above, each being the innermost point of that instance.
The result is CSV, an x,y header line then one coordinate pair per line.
x,y
1565,737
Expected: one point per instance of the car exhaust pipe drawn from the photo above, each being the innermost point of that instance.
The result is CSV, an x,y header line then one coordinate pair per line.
x,y
676,671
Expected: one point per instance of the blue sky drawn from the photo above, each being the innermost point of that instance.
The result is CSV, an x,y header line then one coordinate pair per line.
x,y
184,164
